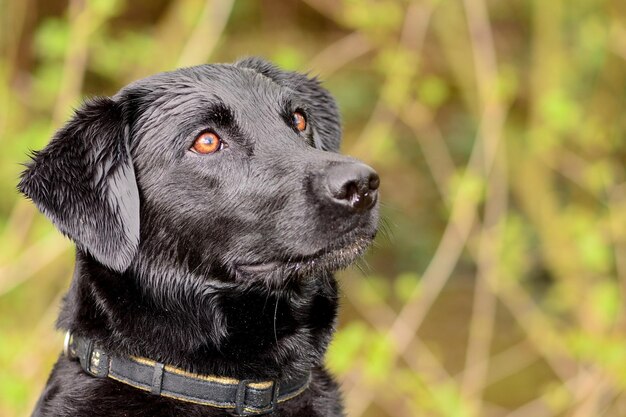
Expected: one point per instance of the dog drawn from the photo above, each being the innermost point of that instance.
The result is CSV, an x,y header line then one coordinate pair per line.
x,y
210,208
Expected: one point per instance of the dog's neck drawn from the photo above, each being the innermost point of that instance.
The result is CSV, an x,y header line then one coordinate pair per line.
x,y
229,330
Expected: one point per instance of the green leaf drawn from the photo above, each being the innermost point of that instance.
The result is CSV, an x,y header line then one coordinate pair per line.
x,y
560,112
107,8
379,358
594,251
289,58
433,91
346,347
51,38
373,291
605,302
406,286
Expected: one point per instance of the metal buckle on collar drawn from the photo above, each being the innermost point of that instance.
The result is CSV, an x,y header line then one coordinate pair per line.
x,y
66,343
274,401
240,400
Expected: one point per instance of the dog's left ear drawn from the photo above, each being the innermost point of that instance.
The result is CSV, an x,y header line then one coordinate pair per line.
x,y
84,182
320,103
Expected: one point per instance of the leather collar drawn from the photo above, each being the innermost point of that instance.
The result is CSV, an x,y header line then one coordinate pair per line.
x,y
243,397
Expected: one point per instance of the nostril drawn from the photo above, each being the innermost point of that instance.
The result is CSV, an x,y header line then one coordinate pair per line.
x,y
352,192
374,181
343,191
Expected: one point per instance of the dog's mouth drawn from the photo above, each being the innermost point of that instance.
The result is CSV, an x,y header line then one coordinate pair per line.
x,y
329,259
259,268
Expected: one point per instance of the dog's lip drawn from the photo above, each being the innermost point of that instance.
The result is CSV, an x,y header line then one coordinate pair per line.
x,y
258,267
267,267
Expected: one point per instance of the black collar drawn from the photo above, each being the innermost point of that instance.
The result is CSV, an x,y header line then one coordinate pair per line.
x,y
244,397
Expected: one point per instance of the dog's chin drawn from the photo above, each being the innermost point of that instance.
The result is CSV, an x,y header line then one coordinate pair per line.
x,y
327,260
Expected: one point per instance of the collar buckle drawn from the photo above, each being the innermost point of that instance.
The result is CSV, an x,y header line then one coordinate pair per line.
x,y
274,401
240,400
66,343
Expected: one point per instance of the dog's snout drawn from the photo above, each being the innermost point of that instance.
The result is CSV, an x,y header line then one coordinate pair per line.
x,y
353,185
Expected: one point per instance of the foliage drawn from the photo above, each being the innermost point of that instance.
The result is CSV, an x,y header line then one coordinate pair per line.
x,y
498,284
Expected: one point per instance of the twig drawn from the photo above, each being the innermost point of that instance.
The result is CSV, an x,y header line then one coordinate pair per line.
x,y
505,363
74,67
381,318
18,223
484,306
31,261
617,200
617,42
328,8
358,401
537,326
208,30
75,60
413,34
340,53
430,140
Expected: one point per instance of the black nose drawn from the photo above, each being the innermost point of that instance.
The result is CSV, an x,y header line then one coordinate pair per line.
x,y
353,185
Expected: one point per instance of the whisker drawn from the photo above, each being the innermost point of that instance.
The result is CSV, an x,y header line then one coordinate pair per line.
x,y
385,230
275,317
363,266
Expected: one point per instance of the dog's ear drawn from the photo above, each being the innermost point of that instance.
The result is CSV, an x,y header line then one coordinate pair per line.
x,y
320,103
84,181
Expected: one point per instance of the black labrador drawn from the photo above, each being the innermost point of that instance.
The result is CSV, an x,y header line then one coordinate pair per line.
x,y
210,209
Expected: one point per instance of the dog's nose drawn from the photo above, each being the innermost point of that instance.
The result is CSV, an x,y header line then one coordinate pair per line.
x,y
353,185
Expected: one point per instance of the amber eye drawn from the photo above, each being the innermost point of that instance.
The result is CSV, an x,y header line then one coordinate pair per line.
x,y
299,121
207,142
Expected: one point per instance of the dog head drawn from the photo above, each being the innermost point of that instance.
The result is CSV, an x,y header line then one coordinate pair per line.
x,y
228,171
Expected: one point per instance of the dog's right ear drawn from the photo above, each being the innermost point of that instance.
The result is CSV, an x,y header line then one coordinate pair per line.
x,y
84,182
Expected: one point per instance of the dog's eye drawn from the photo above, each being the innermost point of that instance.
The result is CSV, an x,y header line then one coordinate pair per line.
x,y
207,142
299,121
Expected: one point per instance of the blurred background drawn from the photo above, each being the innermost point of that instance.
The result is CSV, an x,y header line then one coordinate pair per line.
x,y
498,285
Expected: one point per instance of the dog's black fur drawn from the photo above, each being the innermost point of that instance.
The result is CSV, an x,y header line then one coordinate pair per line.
x,y
169,242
